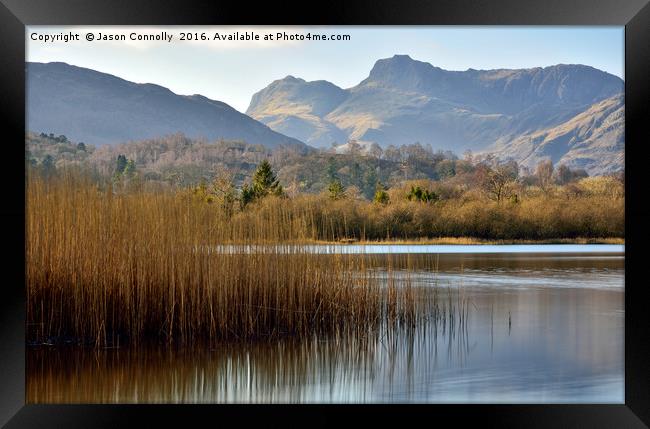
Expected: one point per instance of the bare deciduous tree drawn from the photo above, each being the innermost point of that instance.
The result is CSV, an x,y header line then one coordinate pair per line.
x,y
498,179
544,174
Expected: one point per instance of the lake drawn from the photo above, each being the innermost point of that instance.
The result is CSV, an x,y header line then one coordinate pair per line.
x,y
544,324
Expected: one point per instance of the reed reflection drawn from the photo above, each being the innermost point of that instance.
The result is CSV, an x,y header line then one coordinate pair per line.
x,y
346,367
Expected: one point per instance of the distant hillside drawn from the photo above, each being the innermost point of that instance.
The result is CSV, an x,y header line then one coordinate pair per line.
x,y
405,101
299,107
593,140
98,108
181,160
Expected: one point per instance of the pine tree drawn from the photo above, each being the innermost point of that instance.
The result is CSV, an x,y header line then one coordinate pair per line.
x,y
129,168
381,196
264,181
247,196
121,164
422,195
336,190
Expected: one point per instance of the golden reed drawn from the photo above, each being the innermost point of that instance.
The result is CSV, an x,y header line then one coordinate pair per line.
x,y
106,266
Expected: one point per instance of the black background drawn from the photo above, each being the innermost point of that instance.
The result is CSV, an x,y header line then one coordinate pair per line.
x,y
15,14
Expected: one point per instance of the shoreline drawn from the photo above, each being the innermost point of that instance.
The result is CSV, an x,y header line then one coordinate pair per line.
x,y
474,241
445,241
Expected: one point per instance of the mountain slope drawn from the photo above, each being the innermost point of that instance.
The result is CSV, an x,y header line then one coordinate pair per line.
x,y
405,101
299,107
593,140
99,108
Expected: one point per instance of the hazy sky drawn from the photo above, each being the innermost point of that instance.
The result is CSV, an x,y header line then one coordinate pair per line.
x,y
232,71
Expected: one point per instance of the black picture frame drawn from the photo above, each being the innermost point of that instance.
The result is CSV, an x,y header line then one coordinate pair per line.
x,y
16,14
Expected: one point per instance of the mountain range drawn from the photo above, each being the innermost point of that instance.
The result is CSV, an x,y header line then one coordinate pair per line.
x,y
572,114
99,108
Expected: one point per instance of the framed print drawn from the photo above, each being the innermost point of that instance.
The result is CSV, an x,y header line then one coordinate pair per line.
x,y
255,216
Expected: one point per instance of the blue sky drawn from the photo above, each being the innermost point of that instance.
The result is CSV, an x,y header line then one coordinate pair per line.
x,y
233,71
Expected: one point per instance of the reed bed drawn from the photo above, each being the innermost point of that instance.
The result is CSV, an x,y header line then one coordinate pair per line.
x,y
107,267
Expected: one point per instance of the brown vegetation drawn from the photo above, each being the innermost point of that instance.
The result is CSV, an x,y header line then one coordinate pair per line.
x,y
106,266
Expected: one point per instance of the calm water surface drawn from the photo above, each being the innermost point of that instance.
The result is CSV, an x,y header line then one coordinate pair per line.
x,y
544,324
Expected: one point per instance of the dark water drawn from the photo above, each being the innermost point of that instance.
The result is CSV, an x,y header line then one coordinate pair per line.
x,y
545,327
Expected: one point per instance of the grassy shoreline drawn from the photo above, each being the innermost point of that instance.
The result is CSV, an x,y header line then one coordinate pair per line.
x,y
479,241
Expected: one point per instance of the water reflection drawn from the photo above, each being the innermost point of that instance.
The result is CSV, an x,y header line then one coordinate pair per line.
x,y
534,330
